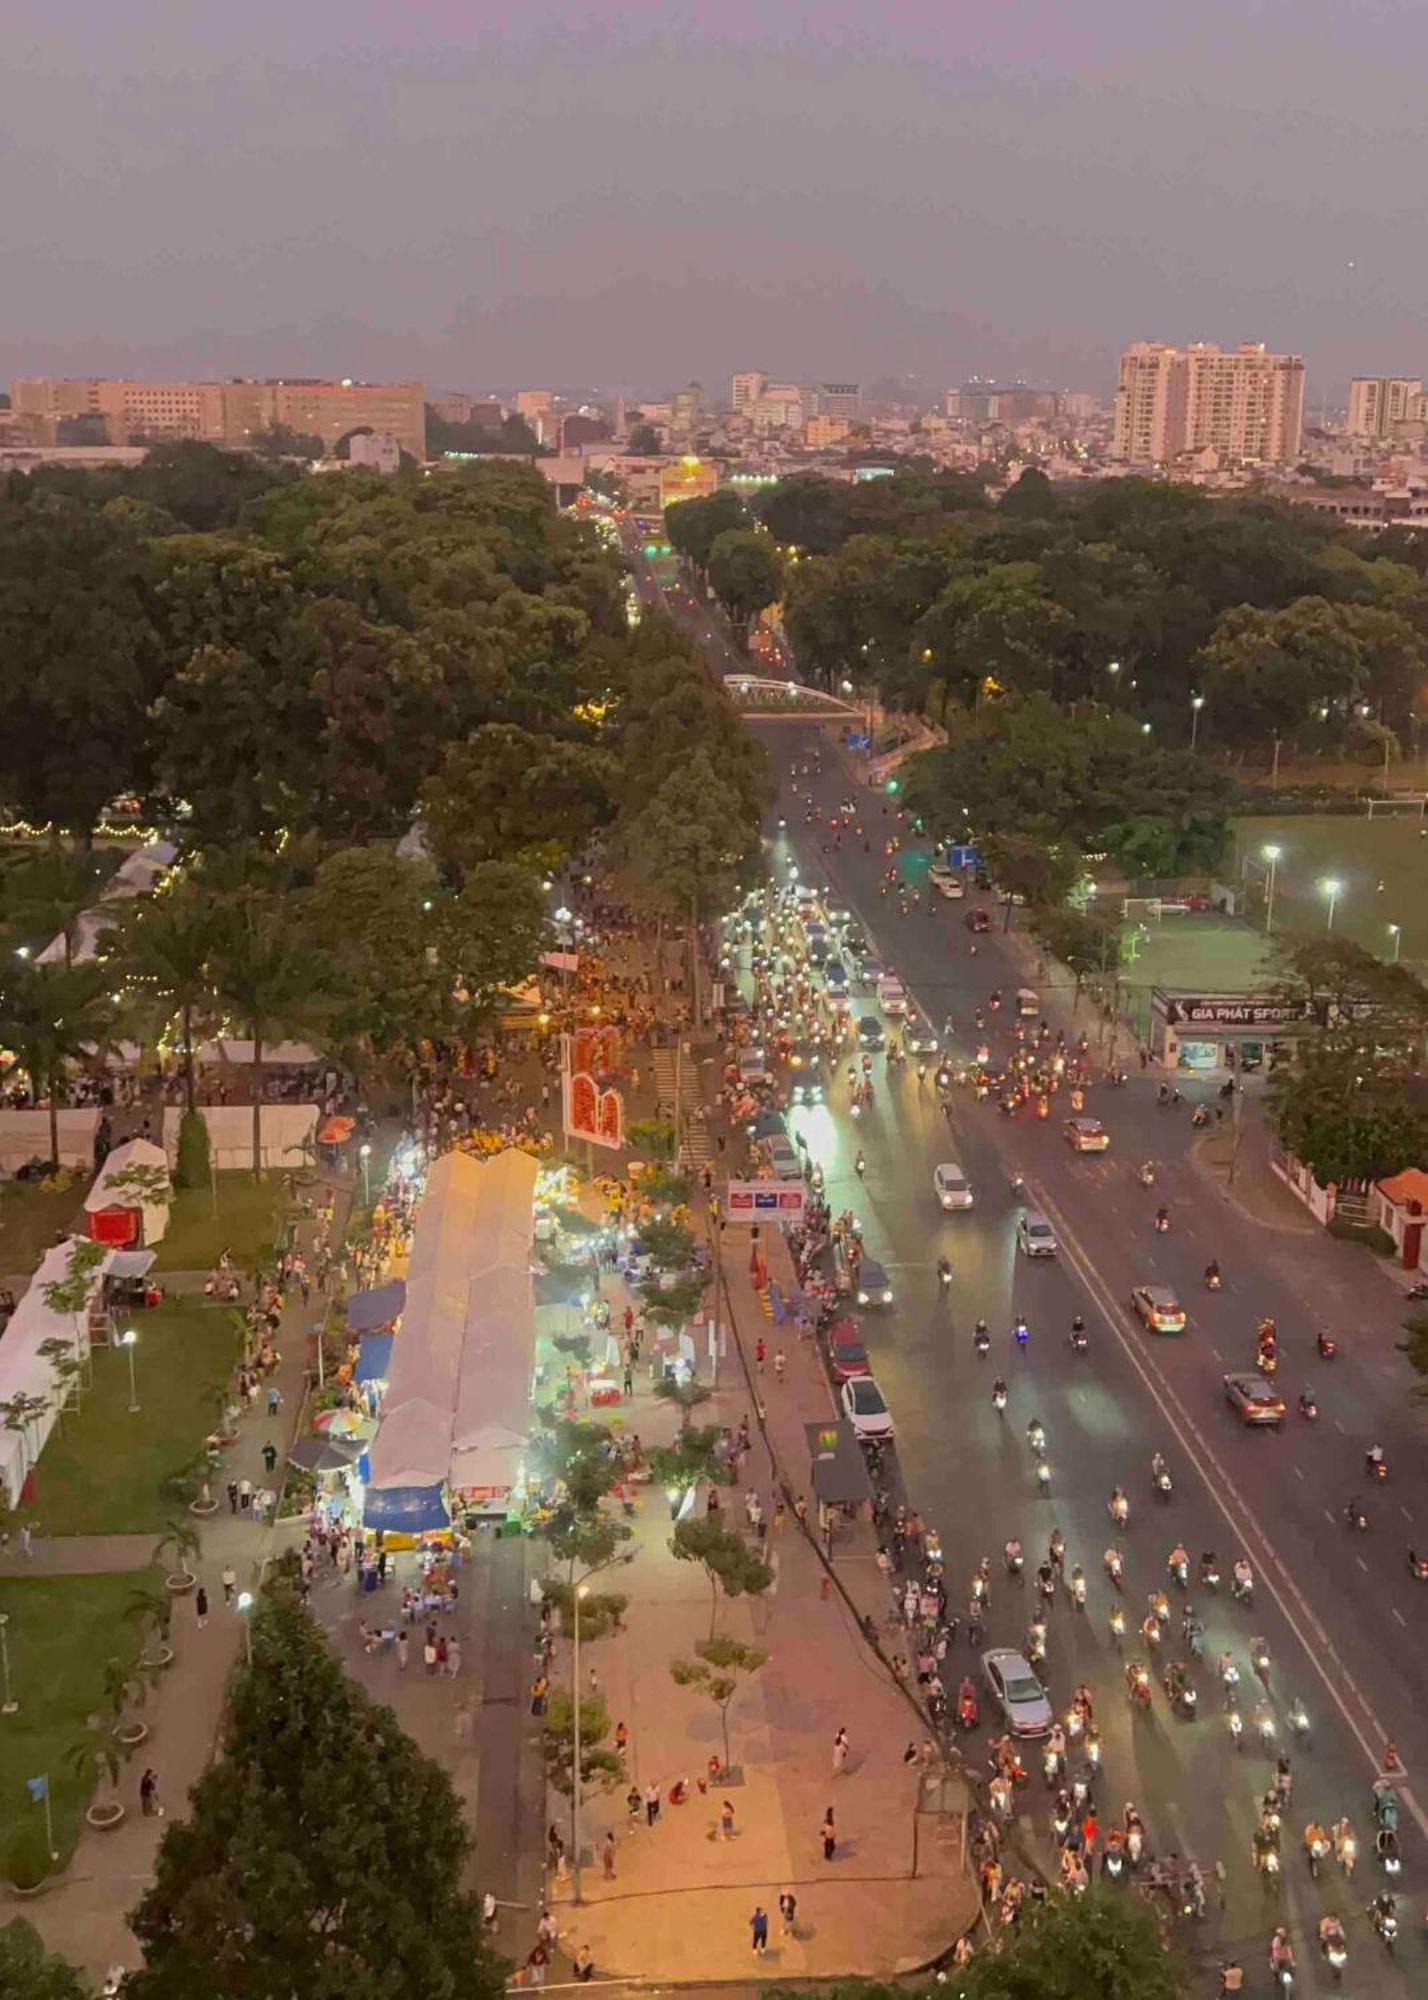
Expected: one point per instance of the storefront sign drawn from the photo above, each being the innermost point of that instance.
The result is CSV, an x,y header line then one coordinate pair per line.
x,y
749,1201
1227,1010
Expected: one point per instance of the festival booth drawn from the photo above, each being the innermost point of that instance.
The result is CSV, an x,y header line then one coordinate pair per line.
x,y
128,1205
139,875
457,1403
25,1371
25,1136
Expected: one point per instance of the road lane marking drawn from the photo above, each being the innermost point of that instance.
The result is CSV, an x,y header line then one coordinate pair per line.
x,y
1298,1472
1398,1614
1222,1491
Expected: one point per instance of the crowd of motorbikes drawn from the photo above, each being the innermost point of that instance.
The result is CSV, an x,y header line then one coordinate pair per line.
x,y
1039,1064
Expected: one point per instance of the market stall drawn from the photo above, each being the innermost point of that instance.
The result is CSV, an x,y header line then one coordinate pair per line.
x,y
129,1202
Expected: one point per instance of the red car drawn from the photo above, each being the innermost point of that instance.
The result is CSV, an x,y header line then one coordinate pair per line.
x,y
978,920
847,1355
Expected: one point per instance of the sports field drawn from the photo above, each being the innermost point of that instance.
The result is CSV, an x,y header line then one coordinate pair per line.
x,y
1380,864
1194,953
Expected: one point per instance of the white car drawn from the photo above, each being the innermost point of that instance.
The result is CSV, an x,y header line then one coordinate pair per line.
x,y
948,881
865,1409
1034,1235
1020,1695
953,1188
891,997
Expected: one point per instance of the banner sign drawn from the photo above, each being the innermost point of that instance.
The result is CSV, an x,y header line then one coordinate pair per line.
x,y
592,1107
755,1201
1227,1010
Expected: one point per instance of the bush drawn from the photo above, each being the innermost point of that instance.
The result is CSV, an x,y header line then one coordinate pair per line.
x,y
27,1858
194,1166
1367,1233
653,1138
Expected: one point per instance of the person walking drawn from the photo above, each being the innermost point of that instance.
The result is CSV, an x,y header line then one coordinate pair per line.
x,y
651,1803
607,1855
403,1649
840,1753
453,1657
759,1930
245,1494
828,1834
230,1582
270,1458
780,1363
726,1819
428,1656
200,1606
148,1794
787,1911
760,1350
275,1399
233,1496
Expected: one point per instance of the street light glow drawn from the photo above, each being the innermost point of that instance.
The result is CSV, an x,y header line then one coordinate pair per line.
x,y
1271,853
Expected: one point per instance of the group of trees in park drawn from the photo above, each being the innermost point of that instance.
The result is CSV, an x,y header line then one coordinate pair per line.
x,y
1132,594
730,552
290,671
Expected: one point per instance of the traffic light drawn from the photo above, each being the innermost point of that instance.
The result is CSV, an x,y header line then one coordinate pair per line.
x,y
892,784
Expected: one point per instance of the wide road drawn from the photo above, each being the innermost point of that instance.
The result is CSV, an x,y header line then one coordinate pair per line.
x,y
1343,1619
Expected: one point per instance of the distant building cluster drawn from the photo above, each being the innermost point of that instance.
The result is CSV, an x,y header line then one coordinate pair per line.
x,y
1172,403
95,409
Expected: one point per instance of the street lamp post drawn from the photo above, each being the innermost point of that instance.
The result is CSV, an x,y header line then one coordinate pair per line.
x,y
8,1705
1271,855
1395,931
364,1154
129,1341
1197,702
245,1606
1331,887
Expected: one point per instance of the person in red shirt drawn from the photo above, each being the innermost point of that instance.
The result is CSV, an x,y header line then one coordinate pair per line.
x,y
1090,1833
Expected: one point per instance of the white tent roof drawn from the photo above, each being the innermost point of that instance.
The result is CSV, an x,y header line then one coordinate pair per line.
x,y
133,1153
24,1371
458,1395
144,869
230,1049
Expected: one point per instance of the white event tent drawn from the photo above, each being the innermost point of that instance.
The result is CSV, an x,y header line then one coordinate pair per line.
x,y
24,1371
104,1194
457,1406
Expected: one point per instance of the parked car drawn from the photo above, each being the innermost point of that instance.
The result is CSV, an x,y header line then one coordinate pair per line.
x,y
847,1355
863,1406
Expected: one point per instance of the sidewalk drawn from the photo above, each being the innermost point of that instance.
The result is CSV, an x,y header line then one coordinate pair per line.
x,y
681,1897
84,1915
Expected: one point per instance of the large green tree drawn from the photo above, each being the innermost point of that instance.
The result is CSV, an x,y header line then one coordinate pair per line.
x,y
1100,1946
29,1972
745,575
161,946
323,1853
507,792
54,1017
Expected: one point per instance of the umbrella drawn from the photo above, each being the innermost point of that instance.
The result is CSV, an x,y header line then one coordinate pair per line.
x,y
338,1424
321,1454
376,1307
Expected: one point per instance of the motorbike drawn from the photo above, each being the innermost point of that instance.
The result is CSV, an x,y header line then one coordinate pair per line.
x,y
1043,1476
1181,1694
1308,1405
1119,1508
999,1397
1138,1684
1418,1291
1328,1347
1335,1952
1235,1723
1209,1573
1299,1721
944,1273
1079,1339
1213,1281
1014,1561
1355,1517
1180,1573
1162,1482
1162,1221
982,1340
1147,1175
1385,1920
1021,1332
1375,1464
1316,1851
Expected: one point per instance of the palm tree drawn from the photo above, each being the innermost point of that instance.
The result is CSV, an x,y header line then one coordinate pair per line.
x,y
162,945
51,1016
52,890
268,976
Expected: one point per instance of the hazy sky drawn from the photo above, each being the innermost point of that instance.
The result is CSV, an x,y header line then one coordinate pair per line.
x,y
505,193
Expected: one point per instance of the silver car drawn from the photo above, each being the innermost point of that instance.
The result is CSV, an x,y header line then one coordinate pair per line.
x,y
1019,1694
1034,1235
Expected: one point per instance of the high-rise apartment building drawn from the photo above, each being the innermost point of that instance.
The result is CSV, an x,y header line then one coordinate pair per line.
x,y
228,413
686,409
1247,404
840,399
1379,402
746,389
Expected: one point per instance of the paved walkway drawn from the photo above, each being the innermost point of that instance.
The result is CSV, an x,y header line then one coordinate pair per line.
x,y
85,1914
681,1895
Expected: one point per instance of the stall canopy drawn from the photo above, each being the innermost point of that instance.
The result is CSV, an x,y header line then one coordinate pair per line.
x,y
840,1472
406,1510
376,1307
128,1263
24,1371
374,1357
119,1214
458,1393
138,876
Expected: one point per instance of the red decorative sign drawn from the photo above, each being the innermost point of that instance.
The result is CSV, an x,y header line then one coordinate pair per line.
x,y
594,1109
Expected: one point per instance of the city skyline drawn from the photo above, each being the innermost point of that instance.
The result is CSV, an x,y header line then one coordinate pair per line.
x,y
432,191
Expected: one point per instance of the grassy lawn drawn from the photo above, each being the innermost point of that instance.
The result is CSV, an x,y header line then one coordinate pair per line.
x,y
244,1224
1197,952
61,1632
30,1221
1379,864
102,1474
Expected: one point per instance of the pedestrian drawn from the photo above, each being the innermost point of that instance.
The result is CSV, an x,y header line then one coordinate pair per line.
x,y
554,1854
200,1606
270,1458
584,1965
453,1656
403,1648
840,1752
759,1929
760,1350
536,1963
629,1382
787,1911
443,1654
233,1496
726,1819
779,1365
245,1494
651,1804
607,1855
828,1834
428,1655
622,1737
148,1794
275,1399
230,1582
540,1687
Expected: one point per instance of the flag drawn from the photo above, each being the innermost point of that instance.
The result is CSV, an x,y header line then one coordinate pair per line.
x,y
39,1788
